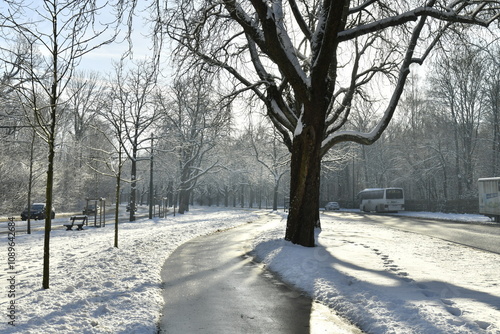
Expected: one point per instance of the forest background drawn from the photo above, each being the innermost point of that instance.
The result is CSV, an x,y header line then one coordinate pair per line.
x,y
212,150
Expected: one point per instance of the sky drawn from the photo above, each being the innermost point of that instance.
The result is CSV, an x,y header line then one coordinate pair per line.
x,y
101,59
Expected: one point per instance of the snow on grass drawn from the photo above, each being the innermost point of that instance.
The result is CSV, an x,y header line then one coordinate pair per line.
x,y
95,287
457,217
390,281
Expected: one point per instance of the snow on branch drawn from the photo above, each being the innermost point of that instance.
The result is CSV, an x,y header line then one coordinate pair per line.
x,y
361,7
196,173
481,13
272,38
370,137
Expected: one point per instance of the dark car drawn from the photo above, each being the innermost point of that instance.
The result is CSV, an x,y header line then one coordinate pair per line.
x,y
37,211
90,209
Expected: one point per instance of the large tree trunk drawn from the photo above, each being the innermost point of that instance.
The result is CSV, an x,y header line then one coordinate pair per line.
x,y
275,196
303,215
184,201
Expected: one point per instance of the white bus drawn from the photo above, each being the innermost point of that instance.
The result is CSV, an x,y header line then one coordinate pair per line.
x,y
489,197
382,200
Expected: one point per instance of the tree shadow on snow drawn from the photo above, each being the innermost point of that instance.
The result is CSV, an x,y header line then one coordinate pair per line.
x,y
362,302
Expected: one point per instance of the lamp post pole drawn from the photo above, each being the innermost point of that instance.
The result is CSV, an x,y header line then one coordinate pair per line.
x,y
151,181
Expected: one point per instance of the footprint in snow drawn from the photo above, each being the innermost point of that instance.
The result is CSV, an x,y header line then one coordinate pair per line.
x,y
483,324
454,311
447,301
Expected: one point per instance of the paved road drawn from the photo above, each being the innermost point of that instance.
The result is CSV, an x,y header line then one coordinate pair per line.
x,y
211,285
481,236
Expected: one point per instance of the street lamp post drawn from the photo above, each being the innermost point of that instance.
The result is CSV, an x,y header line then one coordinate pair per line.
x,y
151,181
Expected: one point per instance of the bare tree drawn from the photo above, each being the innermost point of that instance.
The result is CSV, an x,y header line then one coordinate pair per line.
x,y
85,98
134,92
268,150
112,112
80,139
493,109
458,80
14,54
71,32
194,121
310,61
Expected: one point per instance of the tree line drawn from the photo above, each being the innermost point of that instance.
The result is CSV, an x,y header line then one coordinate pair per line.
x,y
444,137
106,127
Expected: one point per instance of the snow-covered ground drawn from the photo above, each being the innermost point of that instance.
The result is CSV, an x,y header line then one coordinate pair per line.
x,y
384,280
390,281
457,217
95,287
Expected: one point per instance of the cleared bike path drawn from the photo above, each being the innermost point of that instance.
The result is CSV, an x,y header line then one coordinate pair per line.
x,y
211,285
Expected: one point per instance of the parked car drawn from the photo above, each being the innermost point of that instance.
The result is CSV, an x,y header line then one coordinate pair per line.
x,y
37,211
90,209
332,206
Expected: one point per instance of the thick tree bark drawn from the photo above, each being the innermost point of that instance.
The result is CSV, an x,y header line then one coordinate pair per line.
x,y
184,201
304,189
275,196
185,187
305,167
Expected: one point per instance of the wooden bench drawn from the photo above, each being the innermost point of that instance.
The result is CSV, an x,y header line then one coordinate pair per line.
x,y
79,221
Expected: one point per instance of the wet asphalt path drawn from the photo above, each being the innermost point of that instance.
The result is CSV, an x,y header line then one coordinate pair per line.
x,y
211,285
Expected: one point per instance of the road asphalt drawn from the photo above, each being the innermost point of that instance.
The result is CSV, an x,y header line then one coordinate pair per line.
x,y
212,285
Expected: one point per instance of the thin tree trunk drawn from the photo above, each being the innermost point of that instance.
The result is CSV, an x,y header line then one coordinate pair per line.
x,y
117,194
50,169
48,216
49,187
133,186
